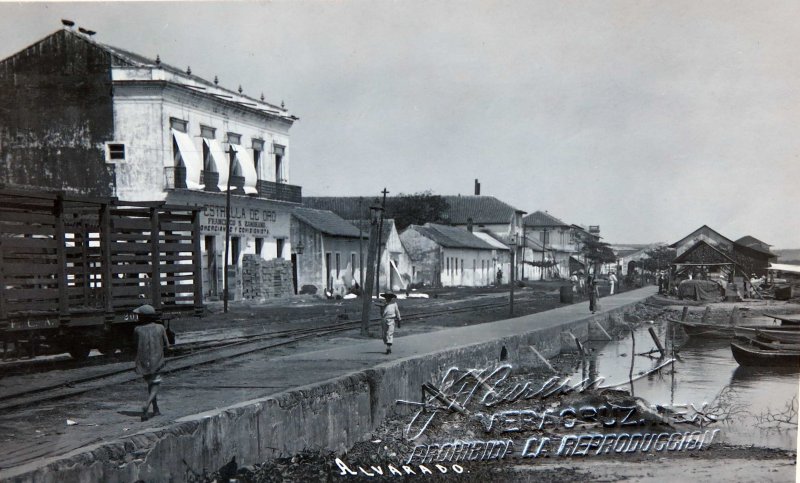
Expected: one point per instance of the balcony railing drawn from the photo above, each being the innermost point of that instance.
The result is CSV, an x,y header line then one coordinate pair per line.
x,y
210,179
279,191
175,178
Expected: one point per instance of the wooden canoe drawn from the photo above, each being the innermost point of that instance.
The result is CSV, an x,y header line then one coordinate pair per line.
x,y
773,345
749,356
785,319
782,336
716,331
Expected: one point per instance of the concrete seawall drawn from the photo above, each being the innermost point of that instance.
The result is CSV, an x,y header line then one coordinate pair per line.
x,y
334,413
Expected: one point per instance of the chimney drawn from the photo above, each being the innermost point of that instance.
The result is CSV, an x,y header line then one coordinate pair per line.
x,y
477,187
469,225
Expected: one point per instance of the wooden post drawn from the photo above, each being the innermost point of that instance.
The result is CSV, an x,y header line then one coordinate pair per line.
x,y
734,318
380,235
3,320
511,276
155,259
658,342
226,286
685,313
197,274
105,254
541,358
366,304
61,256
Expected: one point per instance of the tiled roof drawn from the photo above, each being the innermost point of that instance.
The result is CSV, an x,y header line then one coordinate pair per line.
x,y
483,210
348,207
451,236
325,221
388,224
542,218
491,240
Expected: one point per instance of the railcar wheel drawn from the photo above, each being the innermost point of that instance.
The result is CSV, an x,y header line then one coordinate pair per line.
x,y
79,352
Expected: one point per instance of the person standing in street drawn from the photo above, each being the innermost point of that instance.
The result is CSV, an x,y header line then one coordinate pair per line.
x,y
594,294
613,279
151,342
389,315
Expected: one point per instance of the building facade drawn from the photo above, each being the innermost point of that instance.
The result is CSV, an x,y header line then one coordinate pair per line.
x,y
446,256
84,117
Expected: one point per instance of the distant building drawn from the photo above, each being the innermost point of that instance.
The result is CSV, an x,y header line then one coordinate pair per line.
x,y
330,251
561,242
84,117
447,256
705,253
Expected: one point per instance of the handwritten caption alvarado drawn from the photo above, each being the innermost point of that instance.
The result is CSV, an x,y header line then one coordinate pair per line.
x,y
490,388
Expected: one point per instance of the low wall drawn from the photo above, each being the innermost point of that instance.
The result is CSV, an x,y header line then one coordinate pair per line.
x,y
332,414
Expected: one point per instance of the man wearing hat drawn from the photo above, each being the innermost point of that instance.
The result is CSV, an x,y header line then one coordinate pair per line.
x,y
151,340
389,315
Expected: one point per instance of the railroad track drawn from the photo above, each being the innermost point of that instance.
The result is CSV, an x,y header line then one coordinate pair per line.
x,y
214,353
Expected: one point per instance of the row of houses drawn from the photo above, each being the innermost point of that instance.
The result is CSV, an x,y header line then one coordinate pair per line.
x,y
80,116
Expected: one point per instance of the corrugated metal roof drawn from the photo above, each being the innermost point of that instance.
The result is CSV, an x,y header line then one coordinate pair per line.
x,y
541,218
755,244
326,221
452,237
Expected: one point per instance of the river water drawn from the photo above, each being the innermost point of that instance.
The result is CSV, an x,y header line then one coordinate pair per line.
x,y
705,373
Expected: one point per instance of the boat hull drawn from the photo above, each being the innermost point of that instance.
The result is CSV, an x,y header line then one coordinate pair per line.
x,y
754,357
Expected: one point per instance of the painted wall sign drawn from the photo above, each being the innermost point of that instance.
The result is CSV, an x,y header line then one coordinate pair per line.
x,y
244,220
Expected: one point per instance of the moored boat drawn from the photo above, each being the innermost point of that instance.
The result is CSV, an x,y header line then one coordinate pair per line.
x,y
751,356
715,331
766,345
783,336
785,319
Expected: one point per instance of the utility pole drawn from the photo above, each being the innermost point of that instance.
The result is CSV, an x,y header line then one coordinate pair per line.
x,y
360,244
544,248
225,290
511,276
380,234
366,303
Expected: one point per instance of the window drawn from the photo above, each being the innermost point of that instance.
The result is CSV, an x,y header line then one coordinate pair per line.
x,y
352,264
338,264
544,237
448,264
279,154
279,247
207,133
115,152
258,149
259,245
178,124
236,168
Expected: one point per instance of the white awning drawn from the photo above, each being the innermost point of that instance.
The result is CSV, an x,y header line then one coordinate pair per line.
x,y
191,159
220,162
784,267
248,168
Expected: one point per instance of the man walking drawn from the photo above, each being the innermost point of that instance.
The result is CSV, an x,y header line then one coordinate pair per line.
x,y
390,314
613,279
151,342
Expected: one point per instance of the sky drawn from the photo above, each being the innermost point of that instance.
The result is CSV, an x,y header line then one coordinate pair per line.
x,y
648,118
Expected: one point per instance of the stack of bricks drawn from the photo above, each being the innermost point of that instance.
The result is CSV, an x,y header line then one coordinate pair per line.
x,y
266,279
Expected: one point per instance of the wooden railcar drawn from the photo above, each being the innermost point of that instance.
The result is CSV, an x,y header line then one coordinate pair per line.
x,y
72,268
